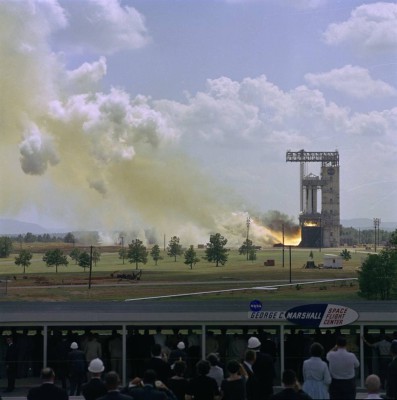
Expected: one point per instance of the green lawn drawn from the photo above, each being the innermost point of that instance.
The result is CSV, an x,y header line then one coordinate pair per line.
x,y
170,277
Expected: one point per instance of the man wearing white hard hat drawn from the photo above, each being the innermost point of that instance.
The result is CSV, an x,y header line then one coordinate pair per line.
x,y
95,388
260,384
76,368
178,354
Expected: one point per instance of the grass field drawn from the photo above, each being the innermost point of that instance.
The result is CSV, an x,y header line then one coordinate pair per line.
x,y
41,283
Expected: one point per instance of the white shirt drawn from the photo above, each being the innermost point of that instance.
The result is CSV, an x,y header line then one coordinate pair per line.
x,y
342,364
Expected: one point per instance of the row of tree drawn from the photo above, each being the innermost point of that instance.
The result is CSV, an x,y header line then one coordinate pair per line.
x,y
56,258
215,251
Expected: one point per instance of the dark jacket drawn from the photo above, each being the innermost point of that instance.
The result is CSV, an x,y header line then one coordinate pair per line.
x,y
47,391
93,389
291,394
148,392
115,395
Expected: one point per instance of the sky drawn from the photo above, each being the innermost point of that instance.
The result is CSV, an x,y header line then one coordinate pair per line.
x,y
176,115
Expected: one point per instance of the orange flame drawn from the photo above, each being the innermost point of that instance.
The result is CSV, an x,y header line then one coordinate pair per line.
x,y
290,238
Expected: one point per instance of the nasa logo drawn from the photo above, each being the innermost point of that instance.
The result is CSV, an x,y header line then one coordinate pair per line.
x,y
255,305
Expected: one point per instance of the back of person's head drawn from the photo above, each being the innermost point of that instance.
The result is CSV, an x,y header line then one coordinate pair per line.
x,y
156,350
372,383
250,356
233,366
149,377
112,380
203,367
213,359
289,377
180,367
47,374
316,350
341,341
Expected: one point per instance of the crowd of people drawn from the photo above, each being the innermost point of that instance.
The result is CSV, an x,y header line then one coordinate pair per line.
x,y
237,366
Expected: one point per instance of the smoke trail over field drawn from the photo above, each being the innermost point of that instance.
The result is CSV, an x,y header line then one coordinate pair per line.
x,y
93,159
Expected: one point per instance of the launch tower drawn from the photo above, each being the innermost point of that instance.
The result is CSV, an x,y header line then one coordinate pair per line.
x,y
319,228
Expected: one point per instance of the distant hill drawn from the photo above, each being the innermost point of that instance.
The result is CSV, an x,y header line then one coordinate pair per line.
x,y
14,227
367,223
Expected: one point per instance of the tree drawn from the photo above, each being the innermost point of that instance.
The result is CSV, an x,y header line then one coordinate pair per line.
x,y
345,254
5,246
246,247
174,249
30,237
252,254
55,258
137,253
69,238
84,260
123,252
191,257
377,277
75,254
155,253
96,256
23,259
311,254
215,251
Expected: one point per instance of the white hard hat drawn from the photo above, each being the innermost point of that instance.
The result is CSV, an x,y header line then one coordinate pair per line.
x,y
180,345
253,342
74,346
96,366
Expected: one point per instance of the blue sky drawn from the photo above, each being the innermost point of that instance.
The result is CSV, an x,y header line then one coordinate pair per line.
x,y
178,114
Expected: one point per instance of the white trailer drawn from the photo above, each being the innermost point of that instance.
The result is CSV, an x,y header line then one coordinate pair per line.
x,y
332,261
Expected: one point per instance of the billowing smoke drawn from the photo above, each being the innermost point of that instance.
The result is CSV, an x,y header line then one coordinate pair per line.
x,y
104,161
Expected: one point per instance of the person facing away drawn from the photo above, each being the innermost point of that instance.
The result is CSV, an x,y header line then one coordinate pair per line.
x,y
316,376
342,366
158,364
260,384
95,387
373,384
77,367
112,382
391,375
202,387
178,382
233,387
149,388
47,390
292,390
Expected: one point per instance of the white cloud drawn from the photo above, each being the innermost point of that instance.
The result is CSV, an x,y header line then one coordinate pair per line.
x,y
353,81
88,72
104,27
370,26
37,151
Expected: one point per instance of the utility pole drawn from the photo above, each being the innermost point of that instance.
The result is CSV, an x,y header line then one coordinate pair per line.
x,y
248,228
376,226
89,277
283,244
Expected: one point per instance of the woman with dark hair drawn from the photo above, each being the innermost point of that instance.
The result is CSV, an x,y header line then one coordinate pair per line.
x,y
316,374
233,388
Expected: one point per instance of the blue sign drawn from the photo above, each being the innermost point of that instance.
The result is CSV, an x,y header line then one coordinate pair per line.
x,y
255,305
321,315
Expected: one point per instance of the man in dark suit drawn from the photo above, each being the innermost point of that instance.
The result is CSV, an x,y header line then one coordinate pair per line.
x,y
95,388
260,384
47,390
112,382
11,360
161,367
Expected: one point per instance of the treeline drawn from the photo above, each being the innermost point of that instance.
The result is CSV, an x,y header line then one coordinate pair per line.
x,y
44,238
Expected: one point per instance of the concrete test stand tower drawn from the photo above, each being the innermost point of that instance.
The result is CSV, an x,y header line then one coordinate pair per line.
x,y
319,229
